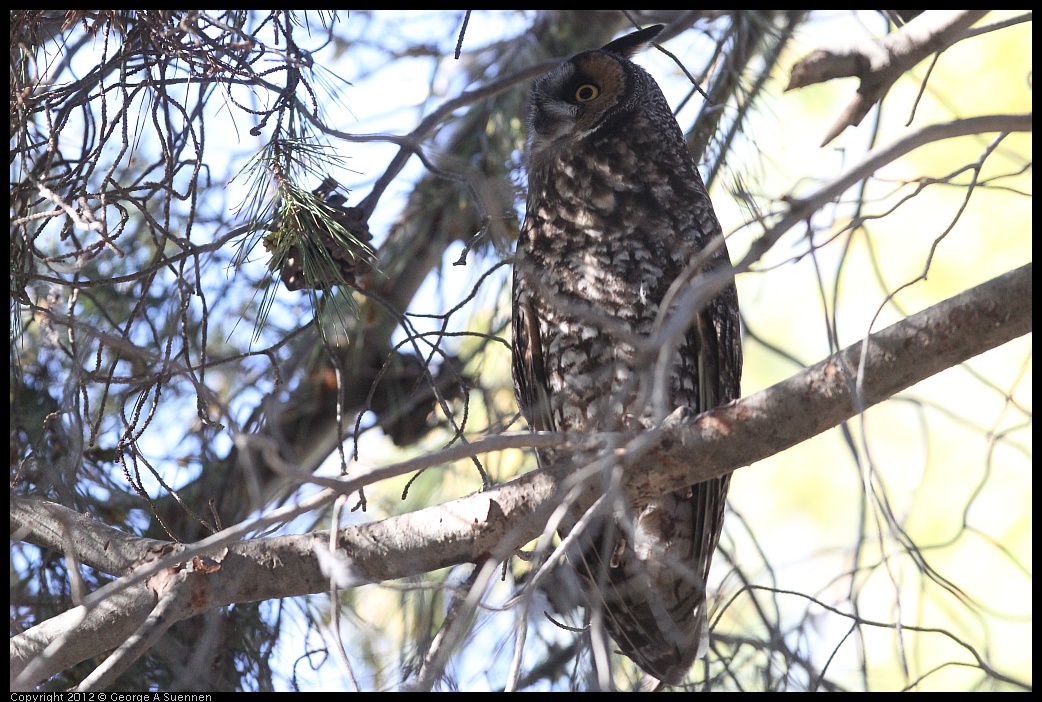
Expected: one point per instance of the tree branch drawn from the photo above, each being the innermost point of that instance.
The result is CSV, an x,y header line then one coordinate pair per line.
x,y
878,63
800,209
491,524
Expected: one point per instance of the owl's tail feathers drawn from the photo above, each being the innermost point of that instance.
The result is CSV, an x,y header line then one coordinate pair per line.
x,y
648,575
656,615
671,667
664,647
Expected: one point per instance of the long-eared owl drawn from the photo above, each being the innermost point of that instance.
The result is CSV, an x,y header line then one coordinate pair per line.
x,y
616,213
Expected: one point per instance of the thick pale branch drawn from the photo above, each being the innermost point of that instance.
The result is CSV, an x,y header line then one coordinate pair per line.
x,y
91,542
491,524
841,386
930,32
880,62
73,636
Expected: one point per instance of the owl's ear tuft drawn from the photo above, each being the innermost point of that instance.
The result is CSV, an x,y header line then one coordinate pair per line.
x,y
630,44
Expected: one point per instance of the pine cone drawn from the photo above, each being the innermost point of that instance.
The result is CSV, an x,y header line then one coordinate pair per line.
x,y
332,258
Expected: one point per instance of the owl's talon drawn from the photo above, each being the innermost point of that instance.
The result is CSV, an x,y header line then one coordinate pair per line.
x,y
679,416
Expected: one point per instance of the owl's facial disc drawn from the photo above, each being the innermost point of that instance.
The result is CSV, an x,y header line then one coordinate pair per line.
x,y
572,101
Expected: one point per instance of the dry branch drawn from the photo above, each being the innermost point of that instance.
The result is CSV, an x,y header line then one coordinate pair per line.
x,y
491,524
878,63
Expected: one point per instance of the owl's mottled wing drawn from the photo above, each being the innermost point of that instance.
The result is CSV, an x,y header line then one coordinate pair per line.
x,y
531,385
652,578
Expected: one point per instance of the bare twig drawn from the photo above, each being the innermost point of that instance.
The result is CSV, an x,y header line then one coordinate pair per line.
x,y
800,209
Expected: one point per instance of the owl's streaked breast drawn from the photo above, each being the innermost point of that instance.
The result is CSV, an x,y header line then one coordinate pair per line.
x,y
598,252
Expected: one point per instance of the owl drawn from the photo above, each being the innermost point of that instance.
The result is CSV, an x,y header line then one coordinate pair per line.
x,y
616,212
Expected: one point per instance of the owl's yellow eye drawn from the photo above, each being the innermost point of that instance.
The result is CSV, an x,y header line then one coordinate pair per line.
x,y
586,92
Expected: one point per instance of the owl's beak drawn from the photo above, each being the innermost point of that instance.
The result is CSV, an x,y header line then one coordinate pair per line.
x,y
551,121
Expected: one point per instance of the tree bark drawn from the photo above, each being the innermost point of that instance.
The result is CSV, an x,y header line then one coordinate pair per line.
x,y
223,569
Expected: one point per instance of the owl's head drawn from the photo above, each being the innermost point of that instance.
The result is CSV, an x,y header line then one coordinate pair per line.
x,y
587,92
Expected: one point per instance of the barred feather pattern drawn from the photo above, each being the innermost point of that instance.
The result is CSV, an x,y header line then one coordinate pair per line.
x,y
616,211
